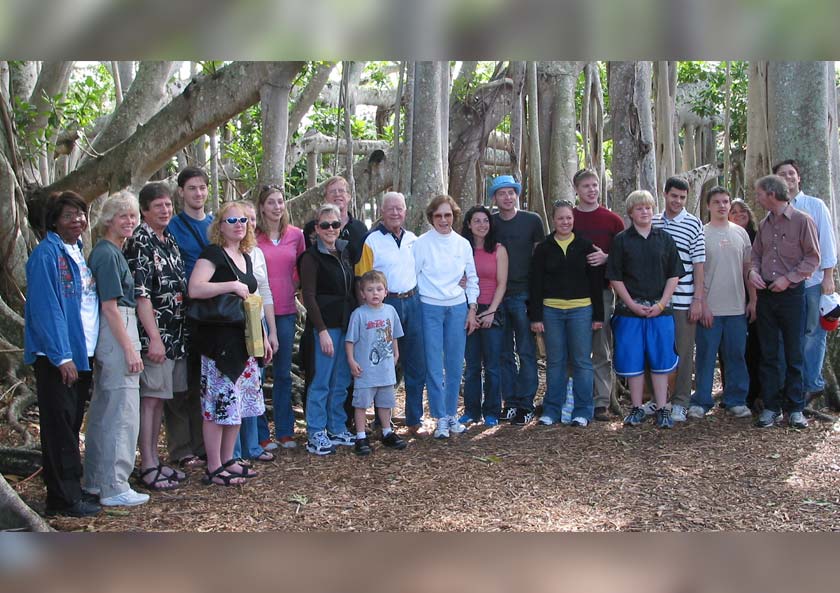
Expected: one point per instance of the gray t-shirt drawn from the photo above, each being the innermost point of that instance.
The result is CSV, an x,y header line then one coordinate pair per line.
x,y
519,235
110,271
373,331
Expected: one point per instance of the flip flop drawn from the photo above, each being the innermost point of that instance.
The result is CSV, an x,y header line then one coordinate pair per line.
x,y
190,461
265,456
159,478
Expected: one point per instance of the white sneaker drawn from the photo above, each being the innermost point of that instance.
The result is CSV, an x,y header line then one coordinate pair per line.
x,y
696,412
739,412
271,446
342,439
649,408
319,444
677,413
580,421
442,428
456,427
545,420
129,498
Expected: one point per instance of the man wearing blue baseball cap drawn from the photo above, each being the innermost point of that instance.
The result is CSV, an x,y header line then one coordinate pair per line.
x,y
519,232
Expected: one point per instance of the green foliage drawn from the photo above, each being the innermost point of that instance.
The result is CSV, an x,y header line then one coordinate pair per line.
x,y
711,99
375,75
324,119
245,147
90,95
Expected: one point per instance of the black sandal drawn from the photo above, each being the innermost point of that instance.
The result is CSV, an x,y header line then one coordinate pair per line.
x,y
159,477
174,476
246,472
222,474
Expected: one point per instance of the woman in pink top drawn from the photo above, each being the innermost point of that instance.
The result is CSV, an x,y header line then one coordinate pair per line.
x,y
282,244
484,345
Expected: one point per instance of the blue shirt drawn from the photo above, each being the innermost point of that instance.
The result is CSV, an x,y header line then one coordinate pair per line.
x,y
186,230
53,312
817,210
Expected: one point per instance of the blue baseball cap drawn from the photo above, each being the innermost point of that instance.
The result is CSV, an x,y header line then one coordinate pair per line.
x,y
503,181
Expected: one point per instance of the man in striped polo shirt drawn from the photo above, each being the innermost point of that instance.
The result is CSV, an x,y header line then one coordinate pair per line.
x,y
687,232
389,249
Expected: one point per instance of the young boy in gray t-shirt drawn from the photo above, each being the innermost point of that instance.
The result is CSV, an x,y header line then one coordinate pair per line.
x,y
372,354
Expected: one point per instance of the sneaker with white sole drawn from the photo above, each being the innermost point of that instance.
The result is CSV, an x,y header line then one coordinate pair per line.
x,y
767,418
288,442
664,418
677,413
319,444
507,414
129,498
342,439
456,427
797,420
580,421
522,417
739,411
442,428
696,412
545,421
649,408
636,417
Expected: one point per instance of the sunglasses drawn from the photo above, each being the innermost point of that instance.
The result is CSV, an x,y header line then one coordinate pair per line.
x,y
272,186
234,220
329,225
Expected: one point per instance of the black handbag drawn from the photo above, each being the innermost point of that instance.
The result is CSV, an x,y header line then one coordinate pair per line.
x,y
223,309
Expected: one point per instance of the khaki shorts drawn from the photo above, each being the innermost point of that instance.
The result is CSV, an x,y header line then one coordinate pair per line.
x,y
163,380
364,397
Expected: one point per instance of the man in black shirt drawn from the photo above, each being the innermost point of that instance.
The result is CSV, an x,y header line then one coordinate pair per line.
x,y
353,230
643,268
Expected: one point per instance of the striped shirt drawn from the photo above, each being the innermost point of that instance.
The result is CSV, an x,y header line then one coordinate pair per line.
x,y
687,232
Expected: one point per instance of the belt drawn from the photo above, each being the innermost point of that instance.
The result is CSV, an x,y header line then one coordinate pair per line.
x,y
403,295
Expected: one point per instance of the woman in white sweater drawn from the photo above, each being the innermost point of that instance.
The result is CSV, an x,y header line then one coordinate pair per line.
x,y
441,259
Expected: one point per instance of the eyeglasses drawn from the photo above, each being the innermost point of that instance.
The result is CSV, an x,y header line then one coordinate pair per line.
x,y
73,216
337,192
234,219
324,225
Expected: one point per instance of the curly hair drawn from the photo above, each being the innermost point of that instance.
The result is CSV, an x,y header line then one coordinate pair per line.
x,y
214,234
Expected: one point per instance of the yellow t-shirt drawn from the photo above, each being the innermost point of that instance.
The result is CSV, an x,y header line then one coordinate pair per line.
x,y
566,303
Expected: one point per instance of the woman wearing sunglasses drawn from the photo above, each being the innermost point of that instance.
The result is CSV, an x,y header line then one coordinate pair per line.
x,y
326,277
230,379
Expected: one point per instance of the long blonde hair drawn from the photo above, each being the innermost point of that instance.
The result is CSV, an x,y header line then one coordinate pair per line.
x,y
215,232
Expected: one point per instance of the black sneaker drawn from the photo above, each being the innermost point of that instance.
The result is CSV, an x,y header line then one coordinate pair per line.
x,y
601,414
393,441
507,414
522,417
362,447
79,509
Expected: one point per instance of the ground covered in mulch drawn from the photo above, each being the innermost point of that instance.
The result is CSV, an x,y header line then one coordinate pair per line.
x,y
716,474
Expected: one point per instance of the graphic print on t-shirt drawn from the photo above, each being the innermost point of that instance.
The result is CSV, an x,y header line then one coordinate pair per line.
x,y
382,346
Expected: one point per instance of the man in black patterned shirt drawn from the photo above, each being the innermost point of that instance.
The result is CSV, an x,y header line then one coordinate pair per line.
x,y
159,288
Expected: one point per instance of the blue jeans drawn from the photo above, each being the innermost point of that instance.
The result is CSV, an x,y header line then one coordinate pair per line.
x,y
568,342
518,385
284,417
814,341
484,347
445,339
328,390
729,334
412,355
248,443
782,312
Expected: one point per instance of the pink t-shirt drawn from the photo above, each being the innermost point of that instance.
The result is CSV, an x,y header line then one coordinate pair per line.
x,y
280,262
485,267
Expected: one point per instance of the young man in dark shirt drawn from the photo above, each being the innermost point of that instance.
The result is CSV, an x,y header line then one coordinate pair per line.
x,y
644,268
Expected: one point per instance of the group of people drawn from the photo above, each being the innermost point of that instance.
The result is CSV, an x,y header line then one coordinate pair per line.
x,y
465,301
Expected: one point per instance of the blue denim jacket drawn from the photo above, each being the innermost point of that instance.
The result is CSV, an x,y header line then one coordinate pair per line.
x,y
53,315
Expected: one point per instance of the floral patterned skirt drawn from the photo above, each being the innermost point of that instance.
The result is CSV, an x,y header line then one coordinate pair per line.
x,y
225,402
